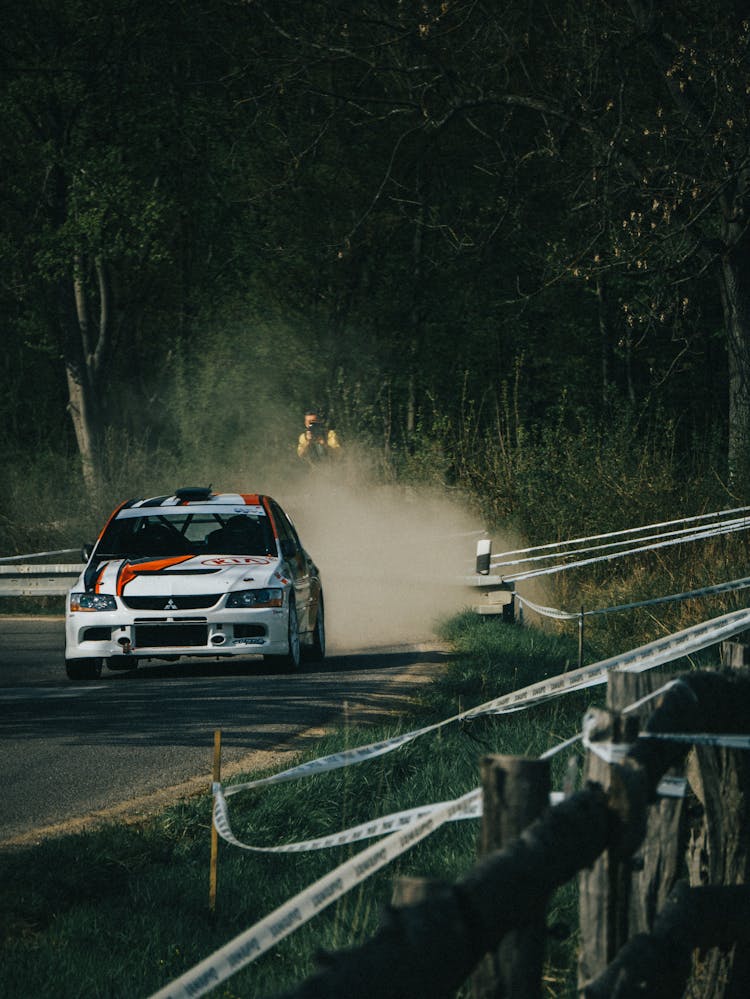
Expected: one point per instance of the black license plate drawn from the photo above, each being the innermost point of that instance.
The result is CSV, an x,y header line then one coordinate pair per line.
x,y
167,636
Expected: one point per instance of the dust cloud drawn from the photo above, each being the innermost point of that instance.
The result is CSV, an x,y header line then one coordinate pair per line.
x,y
391,558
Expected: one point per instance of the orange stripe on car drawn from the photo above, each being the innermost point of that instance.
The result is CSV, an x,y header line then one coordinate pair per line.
x,y
267,507
99,575
251,499
111,518
129,571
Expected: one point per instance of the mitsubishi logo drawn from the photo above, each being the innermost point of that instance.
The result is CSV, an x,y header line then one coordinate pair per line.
x,y
170,605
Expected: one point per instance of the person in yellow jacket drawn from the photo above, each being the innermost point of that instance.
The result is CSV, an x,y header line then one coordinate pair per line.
x,y
317,440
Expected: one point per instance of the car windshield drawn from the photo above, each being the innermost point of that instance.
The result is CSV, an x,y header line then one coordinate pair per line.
x,y
167,534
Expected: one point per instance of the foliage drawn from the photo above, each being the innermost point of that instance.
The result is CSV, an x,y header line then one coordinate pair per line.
x,y
407,214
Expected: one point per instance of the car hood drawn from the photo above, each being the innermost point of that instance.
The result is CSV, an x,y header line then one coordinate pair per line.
x,y
187,574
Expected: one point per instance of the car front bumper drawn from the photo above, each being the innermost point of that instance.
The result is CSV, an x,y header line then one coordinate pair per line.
x,y
223,632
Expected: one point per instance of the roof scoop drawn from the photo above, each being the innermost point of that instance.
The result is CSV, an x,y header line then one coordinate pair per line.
x,y
191,494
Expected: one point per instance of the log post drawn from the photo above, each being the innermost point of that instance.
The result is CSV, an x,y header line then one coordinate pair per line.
x,y
409,890
718,851
604,888
658,864
516,791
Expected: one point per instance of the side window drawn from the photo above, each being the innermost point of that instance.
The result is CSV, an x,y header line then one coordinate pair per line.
x,y
287,534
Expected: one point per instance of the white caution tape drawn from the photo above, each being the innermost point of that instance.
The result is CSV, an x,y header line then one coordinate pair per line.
x,y
549,753
335,761
679,682
656,653
367,830
701,739
646,657
672,787
610,752
250,944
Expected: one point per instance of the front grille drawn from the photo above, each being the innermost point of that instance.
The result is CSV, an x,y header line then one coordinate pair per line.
x,y
165,636
192,602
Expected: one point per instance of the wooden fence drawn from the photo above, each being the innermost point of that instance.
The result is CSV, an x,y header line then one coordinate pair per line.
x,y
664,907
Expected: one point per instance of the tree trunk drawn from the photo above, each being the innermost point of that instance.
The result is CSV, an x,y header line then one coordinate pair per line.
x,y
734,285
80,370
83,425
415,322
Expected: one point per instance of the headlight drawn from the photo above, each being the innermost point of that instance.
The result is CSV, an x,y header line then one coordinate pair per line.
x,y
92,602
256,598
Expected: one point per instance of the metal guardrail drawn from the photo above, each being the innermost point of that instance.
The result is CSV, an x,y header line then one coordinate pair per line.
x,y
28,580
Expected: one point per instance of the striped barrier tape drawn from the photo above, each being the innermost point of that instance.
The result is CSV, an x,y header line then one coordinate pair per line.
x,y
287,918
638,660
701,739
255,941
645,657
669,787
367,830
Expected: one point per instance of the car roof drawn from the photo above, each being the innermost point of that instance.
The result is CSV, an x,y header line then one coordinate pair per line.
x,y
197,495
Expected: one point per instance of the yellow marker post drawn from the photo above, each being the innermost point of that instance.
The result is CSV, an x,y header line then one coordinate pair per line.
x,y
214,834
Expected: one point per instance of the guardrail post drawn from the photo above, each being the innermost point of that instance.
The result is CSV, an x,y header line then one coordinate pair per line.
x,y
509,609
516,791
580,639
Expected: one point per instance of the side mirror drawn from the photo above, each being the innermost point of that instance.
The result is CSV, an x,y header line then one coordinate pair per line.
x,y
288,549
86,552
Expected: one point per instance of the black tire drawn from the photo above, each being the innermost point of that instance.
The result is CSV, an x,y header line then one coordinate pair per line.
x,y
316,652
121,663
83,669
291,660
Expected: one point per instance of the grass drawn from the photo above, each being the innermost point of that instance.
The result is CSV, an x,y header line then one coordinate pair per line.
x,y
122,910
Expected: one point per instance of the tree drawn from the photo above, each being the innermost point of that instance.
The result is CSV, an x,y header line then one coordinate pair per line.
x,y
104,137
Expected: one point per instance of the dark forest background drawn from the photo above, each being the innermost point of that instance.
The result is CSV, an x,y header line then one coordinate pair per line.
x,y
504,245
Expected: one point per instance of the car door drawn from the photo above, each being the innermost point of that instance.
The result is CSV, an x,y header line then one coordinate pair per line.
x,y
298,565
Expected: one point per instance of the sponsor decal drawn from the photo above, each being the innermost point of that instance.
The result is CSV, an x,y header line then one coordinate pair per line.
x,y
237,560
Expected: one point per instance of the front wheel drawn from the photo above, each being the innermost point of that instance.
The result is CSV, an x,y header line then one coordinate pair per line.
x,y
291,660
83,669
316,652
118,663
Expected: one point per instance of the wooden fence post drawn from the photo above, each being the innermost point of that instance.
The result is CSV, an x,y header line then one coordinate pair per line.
x,y
410,890
718,851
658,865
603,888
516,791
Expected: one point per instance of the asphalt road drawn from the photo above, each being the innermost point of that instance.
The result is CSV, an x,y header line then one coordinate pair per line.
x,y
72,754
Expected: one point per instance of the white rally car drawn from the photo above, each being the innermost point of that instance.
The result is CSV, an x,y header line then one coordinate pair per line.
x,y
194,574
